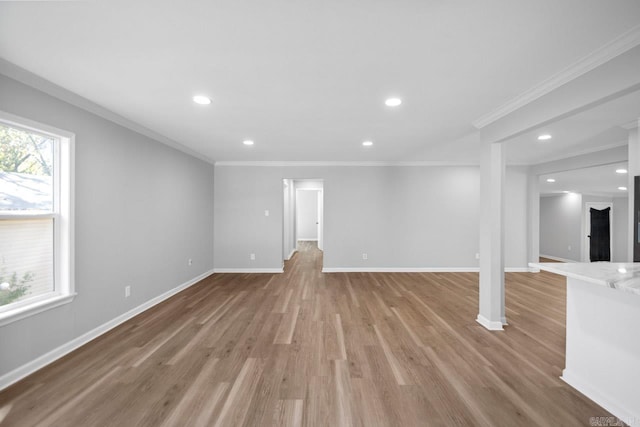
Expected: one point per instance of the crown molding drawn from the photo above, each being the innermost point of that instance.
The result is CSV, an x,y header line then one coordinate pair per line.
x,y
339,163
600,56
28,78
633,124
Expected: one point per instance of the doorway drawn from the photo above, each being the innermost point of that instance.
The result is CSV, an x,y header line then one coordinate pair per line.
x,y
307,215
598,240
303,219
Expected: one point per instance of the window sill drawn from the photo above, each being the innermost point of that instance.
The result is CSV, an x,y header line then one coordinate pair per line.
x,y
19,313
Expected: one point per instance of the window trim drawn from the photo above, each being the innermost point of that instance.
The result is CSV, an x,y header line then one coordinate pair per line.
x,y
63,218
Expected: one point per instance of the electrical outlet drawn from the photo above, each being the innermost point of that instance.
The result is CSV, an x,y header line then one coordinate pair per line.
x,y
127,291
266,212
477,256
252,257
365,256
190,262
569,247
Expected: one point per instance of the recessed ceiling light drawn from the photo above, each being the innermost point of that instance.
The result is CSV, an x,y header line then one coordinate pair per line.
x,y
551,180
621,171
622,270
367,143
622,188
247,142
393,102
202,100
566,192
544,137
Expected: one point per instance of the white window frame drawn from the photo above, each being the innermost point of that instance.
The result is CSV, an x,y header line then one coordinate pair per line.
x,y
63,223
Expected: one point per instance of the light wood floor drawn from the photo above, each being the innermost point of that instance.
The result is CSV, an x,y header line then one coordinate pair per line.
x,y
305,348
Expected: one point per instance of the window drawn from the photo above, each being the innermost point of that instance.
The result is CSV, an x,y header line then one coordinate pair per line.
x,y
36,227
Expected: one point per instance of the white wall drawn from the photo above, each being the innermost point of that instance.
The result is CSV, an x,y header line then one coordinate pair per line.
x,y
562,224
402,217
308,183
306,214
142,209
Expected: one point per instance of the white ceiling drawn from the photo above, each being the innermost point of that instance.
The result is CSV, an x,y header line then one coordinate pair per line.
x,y
599,181
307,80
589,131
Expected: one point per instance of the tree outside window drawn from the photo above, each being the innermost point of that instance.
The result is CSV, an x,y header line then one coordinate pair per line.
x,y
26,214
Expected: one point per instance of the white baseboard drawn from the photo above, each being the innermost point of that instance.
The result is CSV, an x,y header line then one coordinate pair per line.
x,y
520,270
293,251
249,270
555,258
418,270
490,325
28,368
624,414
400,269
306,240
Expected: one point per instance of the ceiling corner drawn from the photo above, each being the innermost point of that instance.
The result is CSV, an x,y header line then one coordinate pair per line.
x,y
600,56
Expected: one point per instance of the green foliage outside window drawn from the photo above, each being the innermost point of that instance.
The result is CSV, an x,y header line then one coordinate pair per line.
x,y
13,287
25,152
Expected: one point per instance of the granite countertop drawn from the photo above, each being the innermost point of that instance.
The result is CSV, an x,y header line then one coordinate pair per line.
x,y
624,276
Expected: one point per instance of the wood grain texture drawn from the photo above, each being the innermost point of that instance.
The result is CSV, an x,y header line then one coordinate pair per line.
x,y
313,349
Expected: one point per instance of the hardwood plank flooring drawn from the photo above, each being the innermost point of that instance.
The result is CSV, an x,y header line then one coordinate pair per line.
x,y
310,349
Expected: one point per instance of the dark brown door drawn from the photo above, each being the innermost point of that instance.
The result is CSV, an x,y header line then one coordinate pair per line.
x,y
600,237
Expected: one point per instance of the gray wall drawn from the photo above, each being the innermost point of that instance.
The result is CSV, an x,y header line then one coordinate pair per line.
x,y
402,217
562,225
621,234
142,209
516,217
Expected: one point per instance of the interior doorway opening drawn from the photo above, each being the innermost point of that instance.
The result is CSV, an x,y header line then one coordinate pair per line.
x,y
303,219
565,217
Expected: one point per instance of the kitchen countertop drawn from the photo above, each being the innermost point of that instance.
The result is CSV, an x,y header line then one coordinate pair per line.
x,y
623,276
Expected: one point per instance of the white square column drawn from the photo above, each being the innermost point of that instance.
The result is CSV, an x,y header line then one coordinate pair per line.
x,y
633,169
492,176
